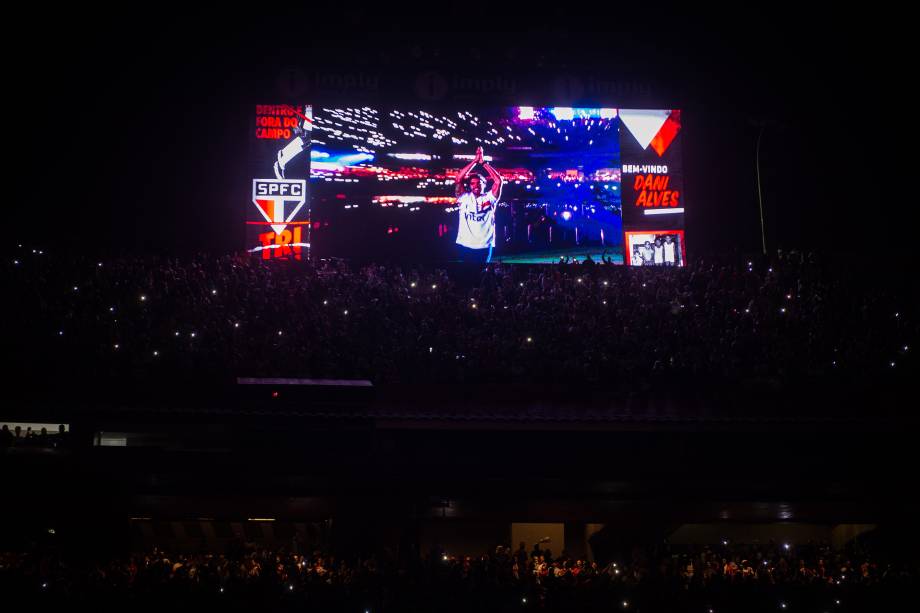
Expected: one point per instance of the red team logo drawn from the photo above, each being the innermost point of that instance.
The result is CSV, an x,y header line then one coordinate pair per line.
x,y
279,201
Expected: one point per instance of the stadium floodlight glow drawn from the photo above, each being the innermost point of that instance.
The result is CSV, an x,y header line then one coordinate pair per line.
x,y
411,156
466,156
525,113
354,158
563,113
326,166
669,211
566,215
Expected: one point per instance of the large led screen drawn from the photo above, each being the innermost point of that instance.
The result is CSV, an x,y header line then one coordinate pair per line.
x,y
278,208
513,184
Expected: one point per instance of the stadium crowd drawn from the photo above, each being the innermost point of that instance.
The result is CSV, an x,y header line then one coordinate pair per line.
x,y
809,577
793,315
17,437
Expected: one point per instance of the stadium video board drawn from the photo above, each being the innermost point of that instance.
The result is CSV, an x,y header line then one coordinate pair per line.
x,y
278,210
512,184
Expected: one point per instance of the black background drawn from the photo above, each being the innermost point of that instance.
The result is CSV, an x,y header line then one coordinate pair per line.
x,y
132,133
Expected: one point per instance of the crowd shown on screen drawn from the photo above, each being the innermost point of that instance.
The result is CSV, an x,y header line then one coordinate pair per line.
x,y
793,315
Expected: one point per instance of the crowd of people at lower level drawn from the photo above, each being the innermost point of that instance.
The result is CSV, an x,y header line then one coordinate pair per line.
x,y
776,577
19,437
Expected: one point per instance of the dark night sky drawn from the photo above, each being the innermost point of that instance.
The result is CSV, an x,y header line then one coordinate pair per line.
x,y
137,140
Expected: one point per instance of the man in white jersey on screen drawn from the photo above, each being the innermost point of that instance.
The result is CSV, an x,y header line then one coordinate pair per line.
x,y
670,255
476,228
659,252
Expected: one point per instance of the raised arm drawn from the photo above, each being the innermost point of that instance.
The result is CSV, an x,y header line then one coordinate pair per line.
x,y
458,180
496,180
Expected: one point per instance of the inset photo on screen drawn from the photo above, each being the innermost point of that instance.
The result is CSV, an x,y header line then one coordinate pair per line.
x,y
655,248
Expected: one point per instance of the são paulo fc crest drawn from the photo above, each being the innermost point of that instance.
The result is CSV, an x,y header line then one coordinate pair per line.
x,y
279,200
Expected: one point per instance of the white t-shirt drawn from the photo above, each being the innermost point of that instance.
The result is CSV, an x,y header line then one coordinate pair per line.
x,y
659,253
476,229
648,255
669,252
